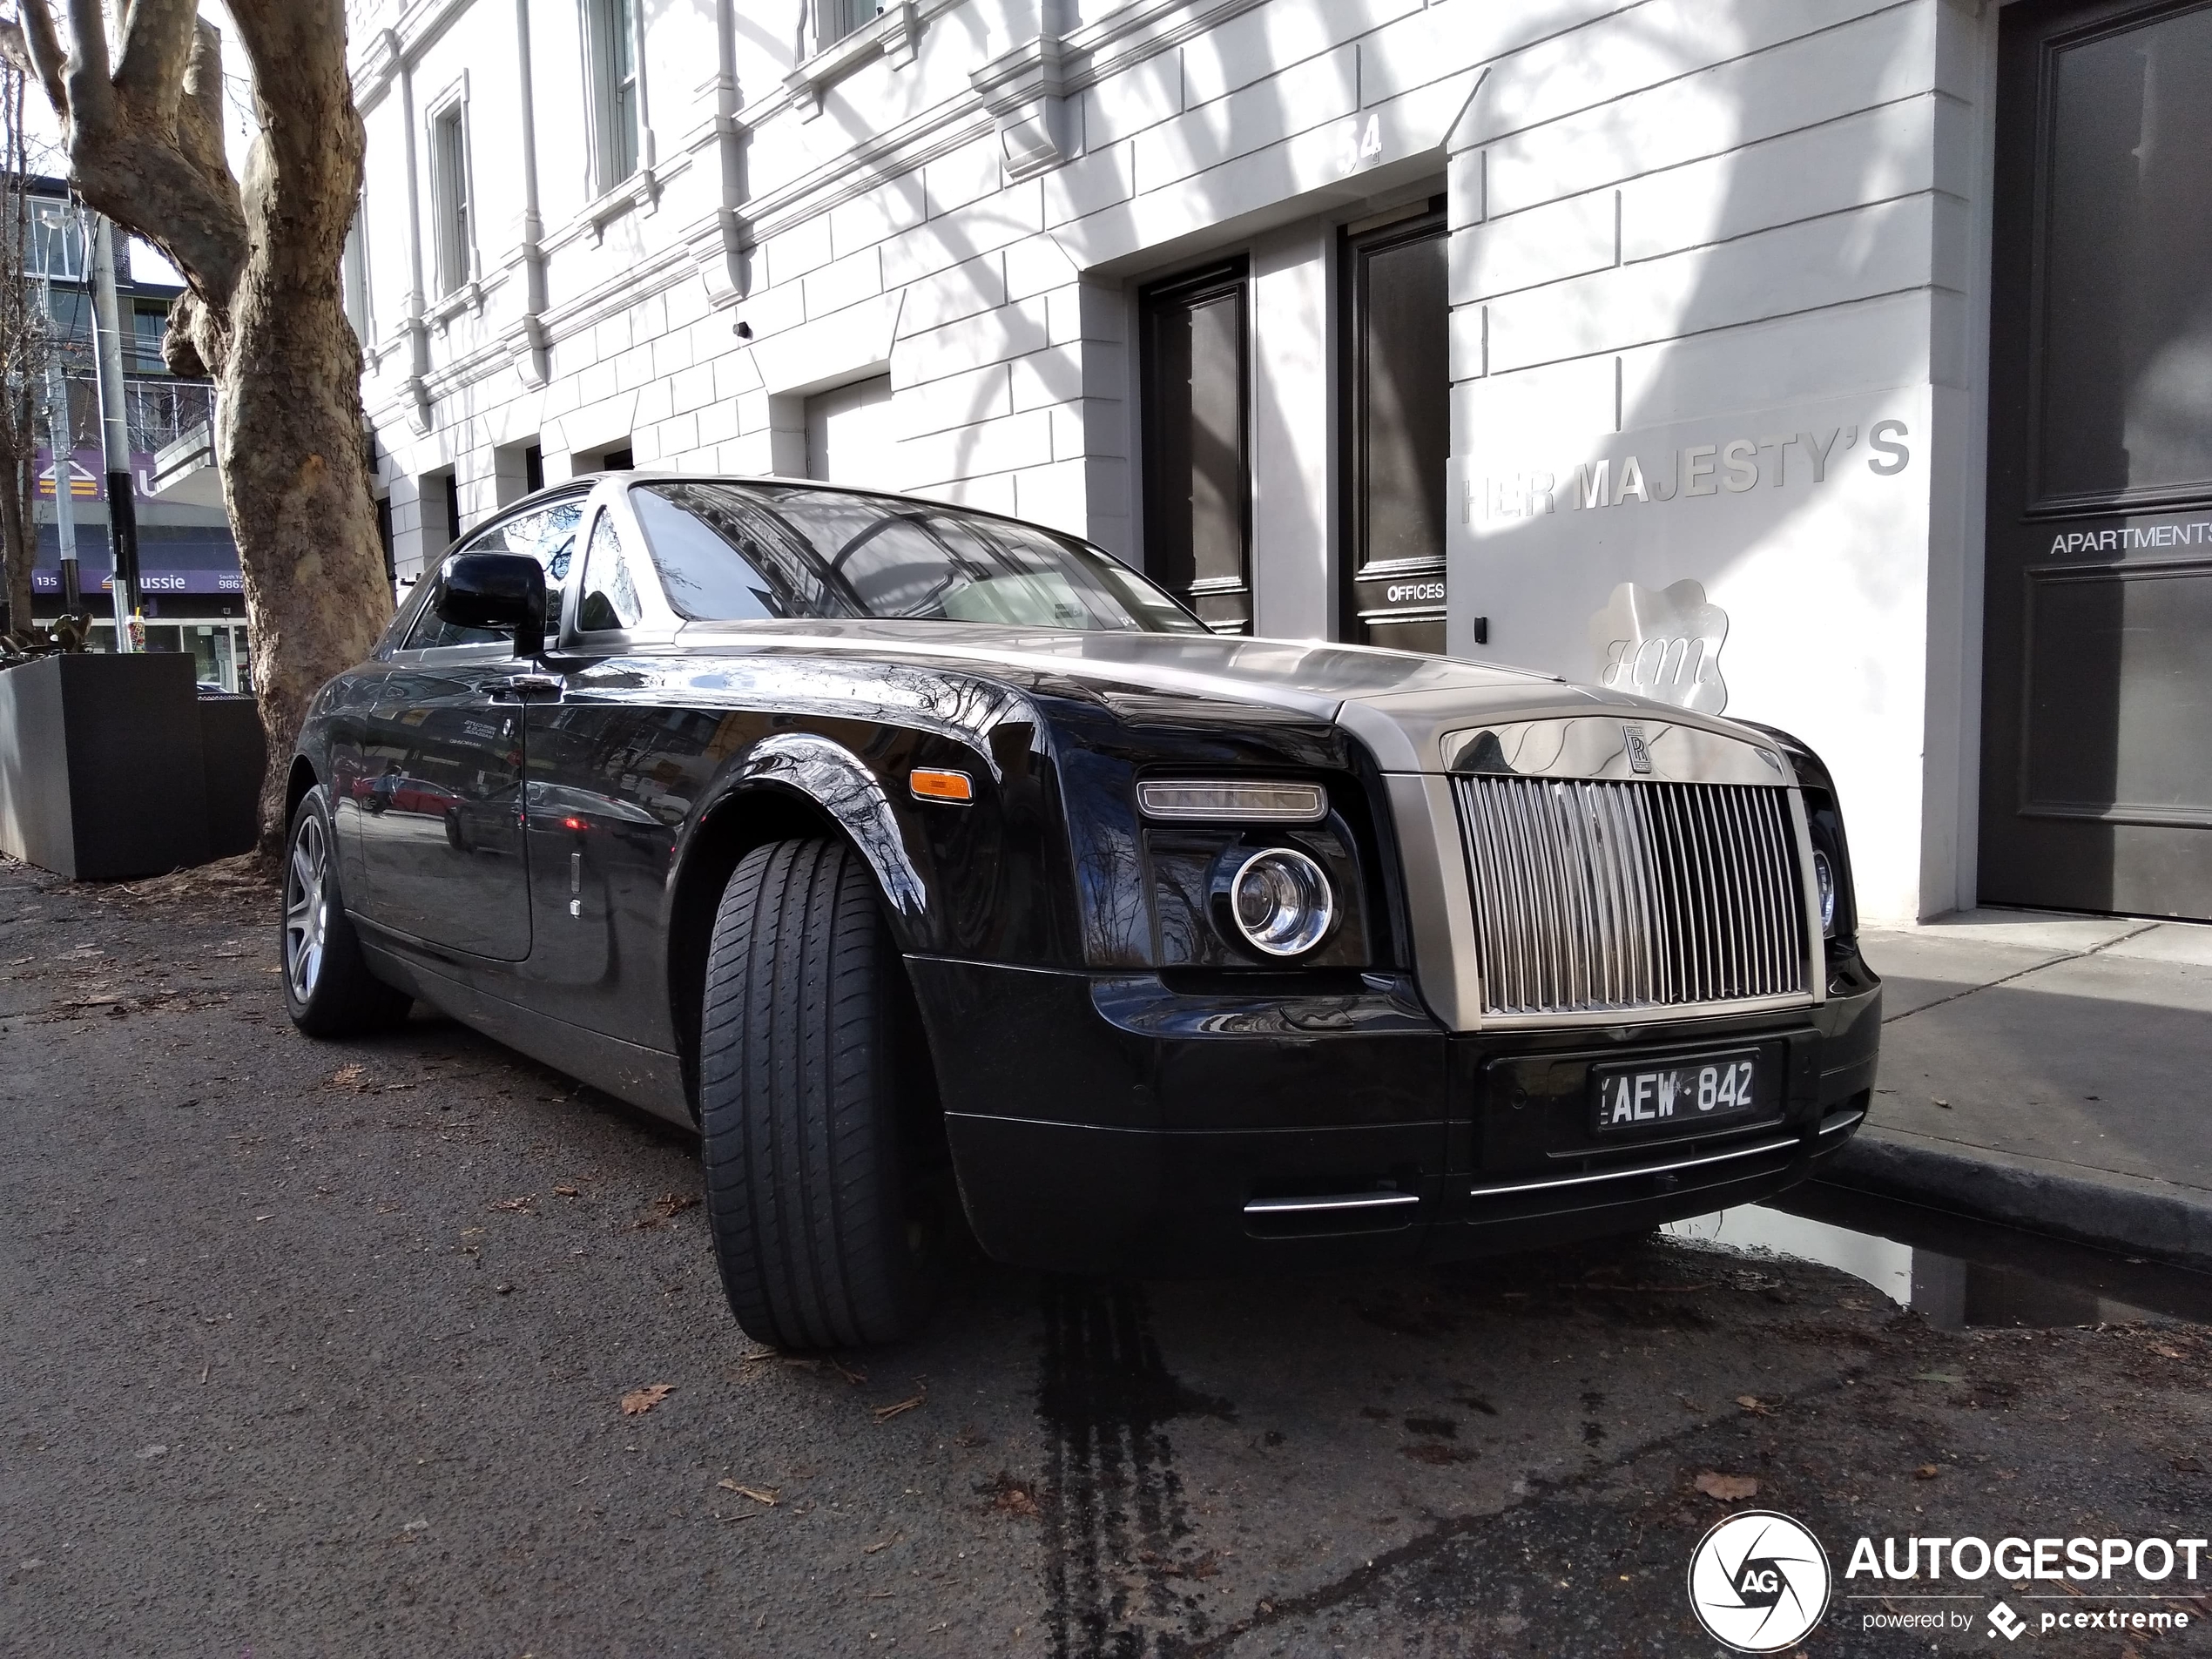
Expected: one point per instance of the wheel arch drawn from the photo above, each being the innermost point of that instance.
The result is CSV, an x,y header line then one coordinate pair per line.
x,y
790,787
296,786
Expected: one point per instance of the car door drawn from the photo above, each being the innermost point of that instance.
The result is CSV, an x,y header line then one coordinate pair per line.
x,y
440,798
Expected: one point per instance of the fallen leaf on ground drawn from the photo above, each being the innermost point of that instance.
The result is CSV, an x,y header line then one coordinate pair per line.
x,y
345,1077
670,1205
1729,1488
1753,1403
1938,1376
885,1413
882,1544
1011,1497
770,1495
1927,1472
640,1400
564,1192
2161,1348
522,1203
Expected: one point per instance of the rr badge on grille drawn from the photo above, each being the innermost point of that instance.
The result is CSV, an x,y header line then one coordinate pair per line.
x,y
1639,751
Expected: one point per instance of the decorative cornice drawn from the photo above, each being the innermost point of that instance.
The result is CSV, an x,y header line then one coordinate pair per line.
x,y
1025,92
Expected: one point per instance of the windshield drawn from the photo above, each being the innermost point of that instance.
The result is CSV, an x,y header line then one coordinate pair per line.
x,y
742,552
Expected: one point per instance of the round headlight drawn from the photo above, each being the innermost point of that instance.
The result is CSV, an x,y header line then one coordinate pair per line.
x,y
1825,878
1280,901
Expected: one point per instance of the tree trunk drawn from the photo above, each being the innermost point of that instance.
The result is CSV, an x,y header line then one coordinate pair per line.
x,y
19,535
290,443
265,313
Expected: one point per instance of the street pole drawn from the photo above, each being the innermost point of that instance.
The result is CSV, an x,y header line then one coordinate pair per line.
x,y
62,442
115,432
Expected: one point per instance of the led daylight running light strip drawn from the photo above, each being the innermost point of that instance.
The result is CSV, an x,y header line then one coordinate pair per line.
x,y
1229,801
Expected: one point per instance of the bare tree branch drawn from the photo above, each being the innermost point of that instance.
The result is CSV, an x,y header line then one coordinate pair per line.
x,y
34,45
156,42
92,97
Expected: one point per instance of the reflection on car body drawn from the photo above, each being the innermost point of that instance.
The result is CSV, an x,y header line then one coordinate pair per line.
x,y
1348,991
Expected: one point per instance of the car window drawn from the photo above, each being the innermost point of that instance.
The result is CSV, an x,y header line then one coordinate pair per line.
x,y
547,535
733,552
611,598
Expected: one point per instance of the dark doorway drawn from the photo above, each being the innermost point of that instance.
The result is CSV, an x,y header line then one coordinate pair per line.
x,y
1397,431
2097,691
1195,334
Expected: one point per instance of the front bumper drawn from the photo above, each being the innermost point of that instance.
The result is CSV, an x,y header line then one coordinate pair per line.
x,y
1112,1124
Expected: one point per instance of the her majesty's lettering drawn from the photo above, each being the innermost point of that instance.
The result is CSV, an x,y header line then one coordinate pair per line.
x,y
1734,467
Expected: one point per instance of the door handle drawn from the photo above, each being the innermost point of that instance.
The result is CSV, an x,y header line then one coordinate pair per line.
x,y
527,685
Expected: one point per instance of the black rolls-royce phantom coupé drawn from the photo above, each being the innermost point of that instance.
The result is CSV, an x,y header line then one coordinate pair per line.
x,y
939,868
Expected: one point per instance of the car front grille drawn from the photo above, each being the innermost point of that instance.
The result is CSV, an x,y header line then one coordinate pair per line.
x,y
1595,896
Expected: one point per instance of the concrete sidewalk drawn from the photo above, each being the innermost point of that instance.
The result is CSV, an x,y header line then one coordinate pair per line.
x,y
2050,1071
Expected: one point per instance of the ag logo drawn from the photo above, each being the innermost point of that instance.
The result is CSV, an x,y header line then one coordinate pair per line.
x,y
1758,1582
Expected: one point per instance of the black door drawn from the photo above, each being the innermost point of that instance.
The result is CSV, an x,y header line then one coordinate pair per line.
x,y
440,800
1195,334
2097,696
1398,431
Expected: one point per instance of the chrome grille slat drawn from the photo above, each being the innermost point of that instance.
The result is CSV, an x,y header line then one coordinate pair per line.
x,y
1598,895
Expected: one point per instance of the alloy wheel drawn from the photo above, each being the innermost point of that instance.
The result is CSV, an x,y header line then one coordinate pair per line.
x,y
306,911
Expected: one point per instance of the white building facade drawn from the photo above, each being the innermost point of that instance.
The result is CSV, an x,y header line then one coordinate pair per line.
x,y
1650,342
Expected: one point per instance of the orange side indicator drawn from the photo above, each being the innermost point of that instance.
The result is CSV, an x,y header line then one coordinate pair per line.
x,y
931,784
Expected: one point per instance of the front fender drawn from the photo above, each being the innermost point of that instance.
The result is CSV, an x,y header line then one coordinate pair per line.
x,y
840,784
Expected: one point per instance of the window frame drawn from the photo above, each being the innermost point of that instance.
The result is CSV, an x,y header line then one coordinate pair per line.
x,y
822,11
659,621
619,147
453,198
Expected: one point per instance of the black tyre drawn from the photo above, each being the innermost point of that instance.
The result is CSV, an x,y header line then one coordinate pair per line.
x,y
820,1228
328,990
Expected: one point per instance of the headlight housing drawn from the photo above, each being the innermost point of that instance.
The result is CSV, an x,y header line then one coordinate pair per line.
x,y
1280,902
1823,876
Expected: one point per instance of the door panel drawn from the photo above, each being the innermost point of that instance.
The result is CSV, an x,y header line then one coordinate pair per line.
x,y
1397,433
2097,694
441,805
1198,479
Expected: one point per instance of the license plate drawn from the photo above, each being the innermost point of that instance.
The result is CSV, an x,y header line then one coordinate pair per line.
x,y
1714,1090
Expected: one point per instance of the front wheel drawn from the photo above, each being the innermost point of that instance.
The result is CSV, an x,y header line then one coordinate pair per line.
x,y
328,990
817,1231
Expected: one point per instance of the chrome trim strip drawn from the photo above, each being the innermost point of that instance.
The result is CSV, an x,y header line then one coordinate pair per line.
x,y
1815,943
1596,746
1837,1123
1641,1168
1437,902
1654,1015
1342,1201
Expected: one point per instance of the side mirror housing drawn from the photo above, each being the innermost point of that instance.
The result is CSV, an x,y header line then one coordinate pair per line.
x,y
495,590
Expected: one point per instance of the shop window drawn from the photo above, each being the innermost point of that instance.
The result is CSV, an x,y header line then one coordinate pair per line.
x,y
1195,334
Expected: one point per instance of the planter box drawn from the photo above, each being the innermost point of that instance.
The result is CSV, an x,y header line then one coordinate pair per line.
x,y
106,768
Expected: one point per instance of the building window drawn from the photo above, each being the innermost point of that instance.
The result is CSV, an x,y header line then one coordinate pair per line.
x,y
610,46
354,273
1197,474
149,321
834,20
57,243
449,200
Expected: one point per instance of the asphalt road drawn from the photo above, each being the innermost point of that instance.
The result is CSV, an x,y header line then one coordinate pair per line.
x,y
318,1348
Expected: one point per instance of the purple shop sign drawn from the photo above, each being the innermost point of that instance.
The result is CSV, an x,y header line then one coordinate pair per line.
x,y
50,581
